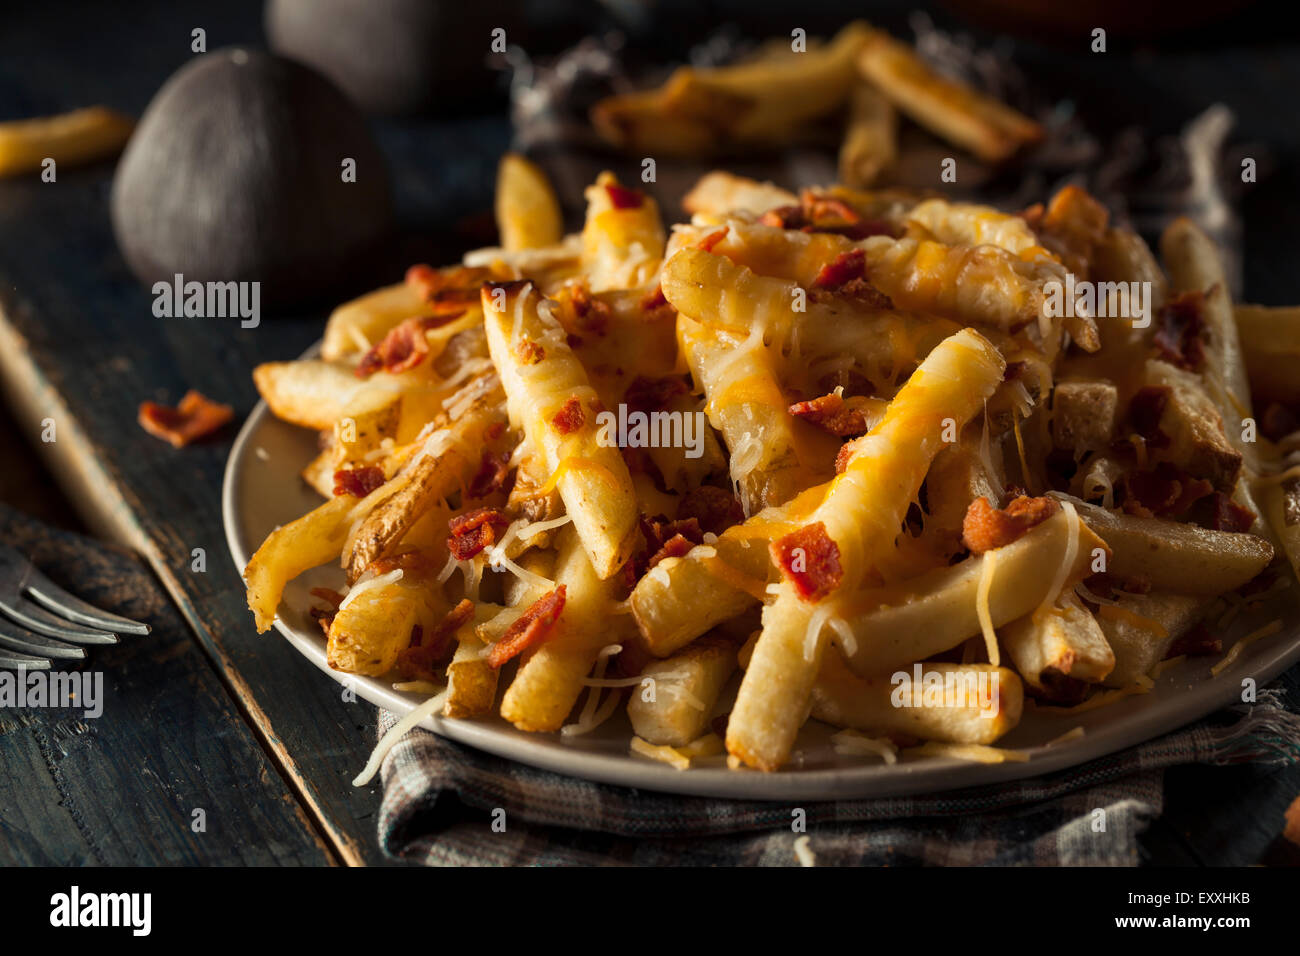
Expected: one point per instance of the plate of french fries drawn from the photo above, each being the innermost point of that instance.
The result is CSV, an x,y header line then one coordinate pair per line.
x,y
827,494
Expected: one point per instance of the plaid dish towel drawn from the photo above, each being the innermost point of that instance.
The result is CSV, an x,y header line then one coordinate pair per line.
x,y
441,800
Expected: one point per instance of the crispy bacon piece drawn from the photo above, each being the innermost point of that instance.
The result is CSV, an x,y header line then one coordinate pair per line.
x,y
1163,492
674,547
1198,642
449,290
417,662
1180,336
570,417
1227,515
474,531
358,482
194,417
324,616
532,628
529,352
591,316
404,347
621,197
715,509
830,413
712,239
810,560
845,453
845,266
653,394
985,528
1144,412
654,304
493,475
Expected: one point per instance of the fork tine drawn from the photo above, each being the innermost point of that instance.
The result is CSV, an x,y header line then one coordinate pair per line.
x,y
12,660
42,589
36,618
16,639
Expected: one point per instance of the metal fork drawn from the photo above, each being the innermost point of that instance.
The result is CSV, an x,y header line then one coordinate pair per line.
x,y
31,637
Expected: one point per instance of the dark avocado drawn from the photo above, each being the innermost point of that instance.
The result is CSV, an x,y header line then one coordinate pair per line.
x,y
235,173
397,56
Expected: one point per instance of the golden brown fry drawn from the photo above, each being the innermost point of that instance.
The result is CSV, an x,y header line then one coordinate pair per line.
x,y
870,144
718,193
676,696
528,214
70,139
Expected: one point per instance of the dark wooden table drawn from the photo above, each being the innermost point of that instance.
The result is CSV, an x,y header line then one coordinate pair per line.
x,y
206,715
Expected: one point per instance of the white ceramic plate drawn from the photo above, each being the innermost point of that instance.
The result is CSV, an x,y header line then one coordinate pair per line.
x,y
263,489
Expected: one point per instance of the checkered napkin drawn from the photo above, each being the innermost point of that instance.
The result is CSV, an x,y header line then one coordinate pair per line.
x,y
441,801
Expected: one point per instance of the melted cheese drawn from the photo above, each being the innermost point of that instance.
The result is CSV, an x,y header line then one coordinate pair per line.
x,y
987,570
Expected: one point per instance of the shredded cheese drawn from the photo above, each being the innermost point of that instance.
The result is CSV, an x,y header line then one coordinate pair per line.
x,y
663,753
364,584
987,570
399,730
1272,627
803,852
851,743
1067,563
977,753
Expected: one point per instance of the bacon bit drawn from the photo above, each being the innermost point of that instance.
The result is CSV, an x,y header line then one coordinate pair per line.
x,y
858,290
194,417
424,280
324,616
845,453
712,239
784,217
529,352
1180,337
592,315
1227,515
715,509
1277,422
474,531
532,628
358,482
1145,410
404,347
654,302
570,417
985,528
1198,642
621,197
845,266
493,475
653,394
417,662
819,556
674,547
818,208
830,413
1164,492
447,290
824,214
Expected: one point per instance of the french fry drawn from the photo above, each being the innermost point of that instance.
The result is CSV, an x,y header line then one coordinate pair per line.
x,y
528,214
623,238
718,193
675,706
962,472
1270,345
969,224
760,102
542,377
1142,627
357,325
550,681
861,514
319,473
445,463
70,139
870,144
1055,649
471,680
1178,557
681,598
374,623
310,393
986,701
938,610
314,539
989,129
